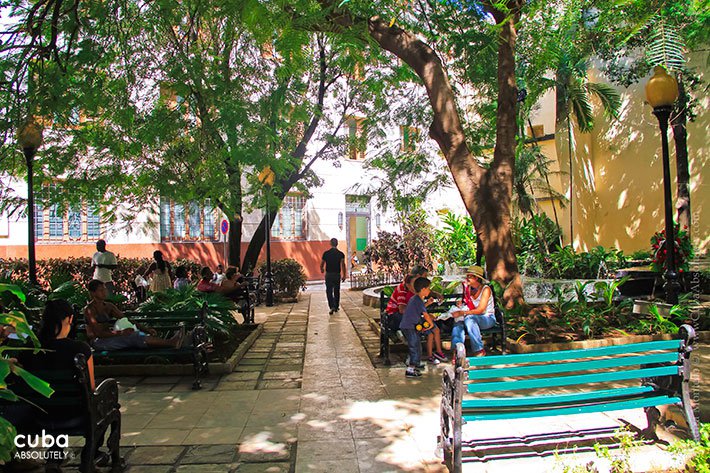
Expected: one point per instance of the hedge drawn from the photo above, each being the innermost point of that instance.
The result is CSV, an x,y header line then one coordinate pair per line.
x,y
55,271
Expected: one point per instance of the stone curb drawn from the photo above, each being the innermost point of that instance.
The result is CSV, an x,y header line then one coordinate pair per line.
x,y
185,369
515,347
239,353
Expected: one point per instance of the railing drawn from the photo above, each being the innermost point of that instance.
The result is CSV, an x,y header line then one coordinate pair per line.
x,y
365,280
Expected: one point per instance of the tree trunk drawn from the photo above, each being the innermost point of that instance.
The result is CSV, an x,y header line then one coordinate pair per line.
x,y
235,242
563,145
256,243
487,194
679,120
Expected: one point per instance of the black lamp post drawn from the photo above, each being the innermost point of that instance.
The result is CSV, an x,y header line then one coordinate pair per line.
x,y
661,93
266,177
29,137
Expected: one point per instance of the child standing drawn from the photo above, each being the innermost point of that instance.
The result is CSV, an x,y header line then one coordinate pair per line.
x,y
416,309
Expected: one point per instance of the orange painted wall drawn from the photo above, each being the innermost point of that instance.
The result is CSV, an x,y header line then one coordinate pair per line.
x,y
308,253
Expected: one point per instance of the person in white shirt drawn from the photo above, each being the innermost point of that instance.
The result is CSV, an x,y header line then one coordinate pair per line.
x,y
103,263
219,276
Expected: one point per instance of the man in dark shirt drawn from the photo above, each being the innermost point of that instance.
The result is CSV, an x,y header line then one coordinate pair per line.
x,y
333,265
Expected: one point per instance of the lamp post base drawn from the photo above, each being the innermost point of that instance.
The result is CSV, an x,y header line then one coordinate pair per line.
x,y
268,282
671,287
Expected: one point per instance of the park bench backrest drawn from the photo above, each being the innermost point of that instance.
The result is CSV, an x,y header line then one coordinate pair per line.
x,y
71,387
574,367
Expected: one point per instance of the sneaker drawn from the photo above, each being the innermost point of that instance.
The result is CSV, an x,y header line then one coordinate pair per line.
x,y
440,356
412,373
330,312
479,353
433,360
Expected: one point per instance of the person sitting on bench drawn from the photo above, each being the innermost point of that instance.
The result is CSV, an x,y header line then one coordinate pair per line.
x,y
100,317
478,298
234,285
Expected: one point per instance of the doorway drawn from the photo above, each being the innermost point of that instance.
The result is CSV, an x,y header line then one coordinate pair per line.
x,y
357,217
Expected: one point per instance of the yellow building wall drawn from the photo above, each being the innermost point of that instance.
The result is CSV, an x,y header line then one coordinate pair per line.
x,y
617,200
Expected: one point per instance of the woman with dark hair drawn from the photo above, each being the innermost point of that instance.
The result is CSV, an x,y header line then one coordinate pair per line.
x,y
161,272
55,327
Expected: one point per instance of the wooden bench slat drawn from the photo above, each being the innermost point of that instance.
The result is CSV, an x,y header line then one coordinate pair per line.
x,y
574,354
554,398
566,367
601,407
571,380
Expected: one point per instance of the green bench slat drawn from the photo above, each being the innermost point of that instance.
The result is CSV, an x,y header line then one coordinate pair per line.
x,y
571,380
602,407
573,354
554,398
575,366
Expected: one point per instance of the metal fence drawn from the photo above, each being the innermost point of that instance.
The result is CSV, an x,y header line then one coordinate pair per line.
x,y
365,280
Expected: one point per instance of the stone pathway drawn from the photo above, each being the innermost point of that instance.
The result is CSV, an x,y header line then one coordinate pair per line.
x,y
307,398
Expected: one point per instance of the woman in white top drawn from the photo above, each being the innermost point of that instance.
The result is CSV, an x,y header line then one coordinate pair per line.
x,y
478,297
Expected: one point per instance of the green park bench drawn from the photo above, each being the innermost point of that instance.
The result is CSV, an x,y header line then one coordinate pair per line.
x,y
93,412
497,332
663,368
165,323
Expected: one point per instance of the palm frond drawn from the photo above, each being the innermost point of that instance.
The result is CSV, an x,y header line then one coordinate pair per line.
x,y
666,47
609,97
580,105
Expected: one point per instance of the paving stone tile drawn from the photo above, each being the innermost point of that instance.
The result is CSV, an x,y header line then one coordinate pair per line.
x,y
214,468
320,466
155,455
261,449
241,368
147,437
160,380
282,467
166,421
237,385
293,375
283,367
213,436
148,469
252,361
209,454
278,384
244,376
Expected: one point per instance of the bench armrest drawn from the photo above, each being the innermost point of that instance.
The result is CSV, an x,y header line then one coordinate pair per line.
x,y
104,399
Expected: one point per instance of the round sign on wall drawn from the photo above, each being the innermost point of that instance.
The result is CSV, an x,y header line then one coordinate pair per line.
x,y
224,226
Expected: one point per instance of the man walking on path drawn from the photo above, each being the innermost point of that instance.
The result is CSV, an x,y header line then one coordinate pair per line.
x,y
103,263
333,265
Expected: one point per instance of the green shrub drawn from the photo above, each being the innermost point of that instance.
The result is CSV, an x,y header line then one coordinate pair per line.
x,y
456,242
288,276
53,272
533,238
699,452
397,253
219,307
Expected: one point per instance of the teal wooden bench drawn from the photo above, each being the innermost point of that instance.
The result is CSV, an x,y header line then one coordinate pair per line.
x,y
165,323
498,386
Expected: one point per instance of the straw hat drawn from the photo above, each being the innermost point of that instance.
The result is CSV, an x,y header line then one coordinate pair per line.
x,y
476,271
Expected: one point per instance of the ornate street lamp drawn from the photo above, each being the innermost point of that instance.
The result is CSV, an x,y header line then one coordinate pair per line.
x,y
29,137
266,177
661,93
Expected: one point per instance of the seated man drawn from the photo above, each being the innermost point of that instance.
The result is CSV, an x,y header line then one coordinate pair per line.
x,y
206,284
100,318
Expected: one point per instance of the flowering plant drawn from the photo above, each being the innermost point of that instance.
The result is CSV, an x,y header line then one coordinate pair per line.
x,y
683,249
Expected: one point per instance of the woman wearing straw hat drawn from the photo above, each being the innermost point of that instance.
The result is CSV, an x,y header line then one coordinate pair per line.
x,y
478,297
